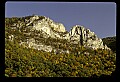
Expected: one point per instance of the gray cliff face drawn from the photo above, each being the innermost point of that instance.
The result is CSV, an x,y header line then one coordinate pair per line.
x,y
45,24
48,28
86,38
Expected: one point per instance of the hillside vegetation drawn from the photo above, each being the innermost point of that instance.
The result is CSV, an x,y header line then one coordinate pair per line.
x,y
21,61
110,42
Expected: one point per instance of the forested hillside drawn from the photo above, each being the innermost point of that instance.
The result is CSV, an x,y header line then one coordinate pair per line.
x,y
22,61
110,42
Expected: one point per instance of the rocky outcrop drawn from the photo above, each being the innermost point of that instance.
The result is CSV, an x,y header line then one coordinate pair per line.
x,y
45,24
77,35
31,43
11,37
86,38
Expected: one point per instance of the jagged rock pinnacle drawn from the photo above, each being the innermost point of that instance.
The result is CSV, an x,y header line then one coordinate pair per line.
x,y
77,35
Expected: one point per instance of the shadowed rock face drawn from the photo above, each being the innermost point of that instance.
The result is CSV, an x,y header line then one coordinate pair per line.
x,y
77,35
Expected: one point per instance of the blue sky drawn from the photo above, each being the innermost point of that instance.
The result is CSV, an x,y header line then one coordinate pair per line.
x,y
99,17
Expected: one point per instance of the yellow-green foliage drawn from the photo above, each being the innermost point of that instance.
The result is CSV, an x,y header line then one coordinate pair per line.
x,y
23,62
27,62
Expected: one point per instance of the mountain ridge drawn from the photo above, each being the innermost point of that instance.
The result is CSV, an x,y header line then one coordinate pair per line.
x,y
35,53
48,28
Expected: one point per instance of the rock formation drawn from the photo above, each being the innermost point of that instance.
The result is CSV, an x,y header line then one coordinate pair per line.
x,y
86,37
48,28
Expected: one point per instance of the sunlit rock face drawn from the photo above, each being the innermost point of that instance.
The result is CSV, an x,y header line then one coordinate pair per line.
x,y
47,24
86,38
48,28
